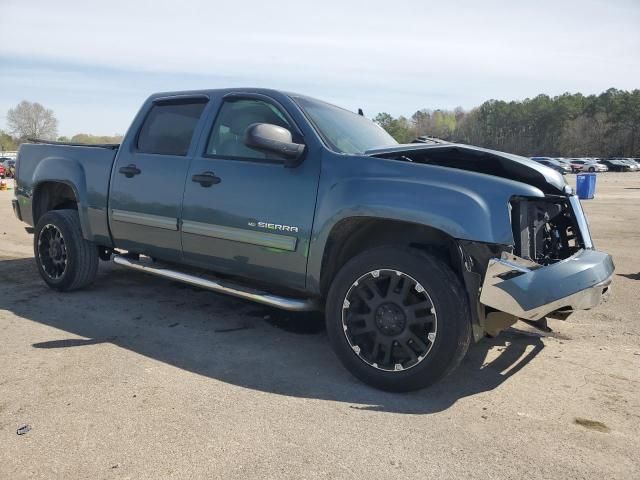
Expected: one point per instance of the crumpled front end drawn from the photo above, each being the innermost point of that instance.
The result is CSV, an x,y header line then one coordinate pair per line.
x,y
530,291
554,269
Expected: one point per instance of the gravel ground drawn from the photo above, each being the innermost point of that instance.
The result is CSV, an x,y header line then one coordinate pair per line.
x,y
140,378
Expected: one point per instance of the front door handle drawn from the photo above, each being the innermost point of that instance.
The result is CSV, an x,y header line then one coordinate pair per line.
x,y
130,170
206,179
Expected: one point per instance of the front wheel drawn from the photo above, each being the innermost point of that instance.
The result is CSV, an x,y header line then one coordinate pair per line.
x,y
398,319
591,169
66,261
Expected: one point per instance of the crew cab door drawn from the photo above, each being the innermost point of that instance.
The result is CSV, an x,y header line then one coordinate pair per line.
x,y
149,174
244,213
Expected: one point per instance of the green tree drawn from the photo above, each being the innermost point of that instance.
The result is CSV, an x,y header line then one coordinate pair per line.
x,y
438,123
399,128
7,142
566,125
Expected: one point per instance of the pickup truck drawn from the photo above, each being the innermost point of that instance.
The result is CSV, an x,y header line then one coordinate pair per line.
x,y
412,251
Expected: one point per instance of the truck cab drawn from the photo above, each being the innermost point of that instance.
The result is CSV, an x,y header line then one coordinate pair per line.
x,y
186,188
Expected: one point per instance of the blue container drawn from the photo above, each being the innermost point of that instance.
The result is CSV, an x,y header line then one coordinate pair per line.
x,y
586,185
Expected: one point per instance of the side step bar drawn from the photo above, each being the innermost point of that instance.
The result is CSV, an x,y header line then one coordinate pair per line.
x,y
220,286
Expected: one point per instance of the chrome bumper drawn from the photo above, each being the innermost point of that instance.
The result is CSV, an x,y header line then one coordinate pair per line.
x,y
531,291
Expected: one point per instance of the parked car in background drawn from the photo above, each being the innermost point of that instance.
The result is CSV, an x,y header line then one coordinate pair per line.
x,y
7,166
633,162
566,162
587,165
554,164
617,165
4,167
627,161
11,168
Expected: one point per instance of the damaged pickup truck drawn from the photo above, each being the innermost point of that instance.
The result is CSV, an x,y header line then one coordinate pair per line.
x,y
413,251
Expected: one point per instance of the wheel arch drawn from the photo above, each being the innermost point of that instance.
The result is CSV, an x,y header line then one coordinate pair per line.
x,y
53,195
353,235
60,183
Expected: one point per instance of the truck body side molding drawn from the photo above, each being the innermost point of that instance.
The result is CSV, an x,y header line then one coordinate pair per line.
x,y
148,220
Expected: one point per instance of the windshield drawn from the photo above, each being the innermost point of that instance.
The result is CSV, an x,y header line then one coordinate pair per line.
x,y
344,131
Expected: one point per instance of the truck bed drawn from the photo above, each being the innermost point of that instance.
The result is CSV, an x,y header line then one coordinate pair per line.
x,y
83,167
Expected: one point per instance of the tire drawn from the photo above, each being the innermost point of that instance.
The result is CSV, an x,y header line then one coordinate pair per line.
x,y
443,340
591,169
66,261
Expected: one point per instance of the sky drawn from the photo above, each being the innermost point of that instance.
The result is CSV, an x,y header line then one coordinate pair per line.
x,y
94,63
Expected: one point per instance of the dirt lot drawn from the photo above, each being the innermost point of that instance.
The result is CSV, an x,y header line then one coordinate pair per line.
x,y
138,377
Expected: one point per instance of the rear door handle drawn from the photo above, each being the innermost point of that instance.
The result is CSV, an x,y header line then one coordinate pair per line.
x,y
206,179
130,170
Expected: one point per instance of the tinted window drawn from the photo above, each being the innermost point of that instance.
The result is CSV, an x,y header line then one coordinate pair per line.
x,y
227,135
169,127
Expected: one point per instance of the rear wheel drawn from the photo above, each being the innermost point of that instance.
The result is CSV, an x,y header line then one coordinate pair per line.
x,y
591,169
66,261
398,319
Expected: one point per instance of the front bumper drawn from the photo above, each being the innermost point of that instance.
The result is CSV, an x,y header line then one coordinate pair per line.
x,y
531,291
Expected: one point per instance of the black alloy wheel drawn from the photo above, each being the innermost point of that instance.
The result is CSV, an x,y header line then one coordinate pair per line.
x,y
389,320
398,318
66,261
52,251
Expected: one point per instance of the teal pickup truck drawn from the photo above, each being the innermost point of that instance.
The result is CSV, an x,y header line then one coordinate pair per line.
x,y
412,251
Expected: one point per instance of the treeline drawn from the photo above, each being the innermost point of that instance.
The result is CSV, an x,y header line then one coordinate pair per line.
x,y
92,139
569,125
9,143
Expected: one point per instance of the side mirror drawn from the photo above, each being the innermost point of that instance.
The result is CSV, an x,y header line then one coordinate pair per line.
x,y
275,139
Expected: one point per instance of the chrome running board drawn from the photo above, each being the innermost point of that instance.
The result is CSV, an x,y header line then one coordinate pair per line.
x,y
220,286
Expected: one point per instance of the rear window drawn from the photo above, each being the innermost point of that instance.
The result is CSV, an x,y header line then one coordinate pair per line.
x,y
168,128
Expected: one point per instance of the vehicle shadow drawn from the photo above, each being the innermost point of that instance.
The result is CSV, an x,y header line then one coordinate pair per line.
x,y
235,341
630,276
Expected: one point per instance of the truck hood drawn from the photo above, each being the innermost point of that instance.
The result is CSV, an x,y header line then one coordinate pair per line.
x,y
476,159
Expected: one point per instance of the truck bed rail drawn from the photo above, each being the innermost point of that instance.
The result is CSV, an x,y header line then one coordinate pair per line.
x,y
111,146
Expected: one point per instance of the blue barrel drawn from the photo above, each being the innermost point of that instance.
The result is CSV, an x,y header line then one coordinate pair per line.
x,y
586,185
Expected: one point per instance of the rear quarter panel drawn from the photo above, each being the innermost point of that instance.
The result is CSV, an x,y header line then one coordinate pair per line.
x,y
86,170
